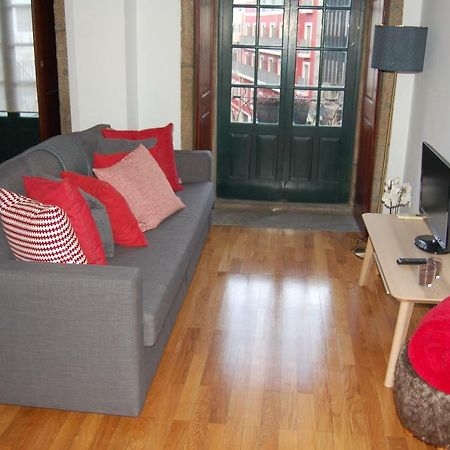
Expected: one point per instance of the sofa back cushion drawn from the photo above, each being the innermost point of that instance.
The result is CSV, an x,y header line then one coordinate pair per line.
x,y
68,197
72,152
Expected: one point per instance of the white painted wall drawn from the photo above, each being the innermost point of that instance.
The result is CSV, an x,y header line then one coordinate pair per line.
x,y
403,103
430,119
159,75
97,64
124,63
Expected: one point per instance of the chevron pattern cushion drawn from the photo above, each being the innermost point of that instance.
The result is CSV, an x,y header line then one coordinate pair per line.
x,y
38,232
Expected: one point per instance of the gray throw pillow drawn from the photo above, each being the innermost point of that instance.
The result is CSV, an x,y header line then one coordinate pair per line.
x,y
108,146
102,221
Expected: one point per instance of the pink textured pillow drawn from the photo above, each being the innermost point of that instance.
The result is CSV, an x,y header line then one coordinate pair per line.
x,y
141,181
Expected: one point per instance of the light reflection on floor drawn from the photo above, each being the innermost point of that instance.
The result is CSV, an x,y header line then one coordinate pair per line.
x,y
276,320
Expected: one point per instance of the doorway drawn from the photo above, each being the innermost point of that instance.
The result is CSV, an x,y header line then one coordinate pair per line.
x,y
287,91
29,102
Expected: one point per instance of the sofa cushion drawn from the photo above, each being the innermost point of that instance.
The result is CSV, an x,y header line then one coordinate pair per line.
x,y
38,232
106,146
67,196
100,216
102,221
163,150
141,181
124,225
165,262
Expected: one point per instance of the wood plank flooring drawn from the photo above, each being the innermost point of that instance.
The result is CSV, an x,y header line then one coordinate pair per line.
x,y
276,347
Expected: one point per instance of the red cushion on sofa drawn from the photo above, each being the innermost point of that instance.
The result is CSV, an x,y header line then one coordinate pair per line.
x,y
163,151
124,225
429,347
102,160
67,196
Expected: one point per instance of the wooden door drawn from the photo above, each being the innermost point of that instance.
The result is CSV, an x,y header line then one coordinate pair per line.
x,y
287,90
46,68
368,128
204,53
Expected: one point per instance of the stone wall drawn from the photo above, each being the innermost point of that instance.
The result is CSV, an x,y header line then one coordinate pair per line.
x,y
63,72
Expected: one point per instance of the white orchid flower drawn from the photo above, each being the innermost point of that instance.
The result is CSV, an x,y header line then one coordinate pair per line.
x,y
396,194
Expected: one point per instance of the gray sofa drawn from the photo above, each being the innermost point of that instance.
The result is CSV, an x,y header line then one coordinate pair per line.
x,y
90,338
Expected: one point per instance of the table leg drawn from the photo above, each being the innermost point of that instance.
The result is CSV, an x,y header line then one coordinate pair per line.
x,y
368,258
401,329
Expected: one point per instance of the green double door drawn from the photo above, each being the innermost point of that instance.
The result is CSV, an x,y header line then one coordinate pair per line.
x,y
287,99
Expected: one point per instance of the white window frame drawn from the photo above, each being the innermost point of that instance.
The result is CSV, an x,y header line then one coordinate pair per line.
x,y
308,29
306,72
263,30
272,28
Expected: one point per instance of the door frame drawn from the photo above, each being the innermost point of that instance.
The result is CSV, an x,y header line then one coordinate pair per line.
x,y
360,9
44,35
372,182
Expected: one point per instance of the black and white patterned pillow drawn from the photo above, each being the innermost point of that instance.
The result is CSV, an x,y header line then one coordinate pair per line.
x,y
38,232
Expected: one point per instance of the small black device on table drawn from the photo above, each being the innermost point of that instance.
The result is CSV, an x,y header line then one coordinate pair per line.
x,y
411,261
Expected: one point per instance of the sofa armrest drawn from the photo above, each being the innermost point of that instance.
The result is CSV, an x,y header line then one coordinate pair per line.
x,y
71,337
194,165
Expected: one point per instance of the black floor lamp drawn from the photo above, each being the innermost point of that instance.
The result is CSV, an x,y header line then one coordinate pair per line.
x,y
397,49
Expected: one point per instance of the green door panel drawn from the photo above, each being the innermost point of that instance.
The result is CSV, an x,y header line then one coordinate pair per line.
x,y
287,98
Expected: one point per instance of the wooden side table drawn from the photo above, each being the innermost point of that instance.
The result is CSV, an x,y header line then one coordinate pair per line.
x,y
391,237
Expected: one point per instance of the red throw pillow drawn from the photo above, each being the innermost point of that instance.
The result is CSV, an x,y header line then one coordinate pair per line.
x,y
124,225
429,347
104,160
163,151
67,196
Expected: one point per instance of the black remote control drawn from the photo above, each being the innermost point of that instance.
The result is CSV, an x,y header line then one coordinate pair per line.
x,y
411,261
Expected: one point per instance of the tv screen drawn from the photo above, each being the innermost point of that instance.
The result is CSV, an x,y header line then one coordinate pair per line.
x,y
434,199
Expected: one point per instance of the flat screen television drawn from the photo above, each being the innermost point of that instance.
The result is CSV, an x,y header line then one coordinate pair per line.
x,y
435,201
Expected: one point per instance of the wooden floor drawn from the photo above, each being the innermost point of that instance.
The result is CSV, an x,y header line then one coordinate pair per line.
x,y
276,347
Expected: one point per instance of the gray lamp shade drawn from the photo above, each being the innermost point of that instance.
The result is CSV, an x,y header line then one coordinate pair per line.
x,y
399,49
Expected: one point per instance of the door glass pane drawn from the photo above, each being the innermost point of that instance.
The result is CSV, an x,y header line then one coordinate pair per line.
x,y
310,2
309,27
269,66
241,104
2,79
331,106
307,68
244,26
334,68
26,92
336,29
243,66
244,2
339,3
271,26
272,2
267,105
305,106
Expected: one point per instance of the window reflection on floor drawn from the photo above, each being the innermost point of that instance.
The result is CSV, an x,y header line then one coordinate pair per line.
x,y
266,319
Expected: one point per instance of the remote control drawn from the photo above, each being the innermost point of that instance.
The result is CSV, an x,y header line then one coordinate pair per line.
x,y
411,261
